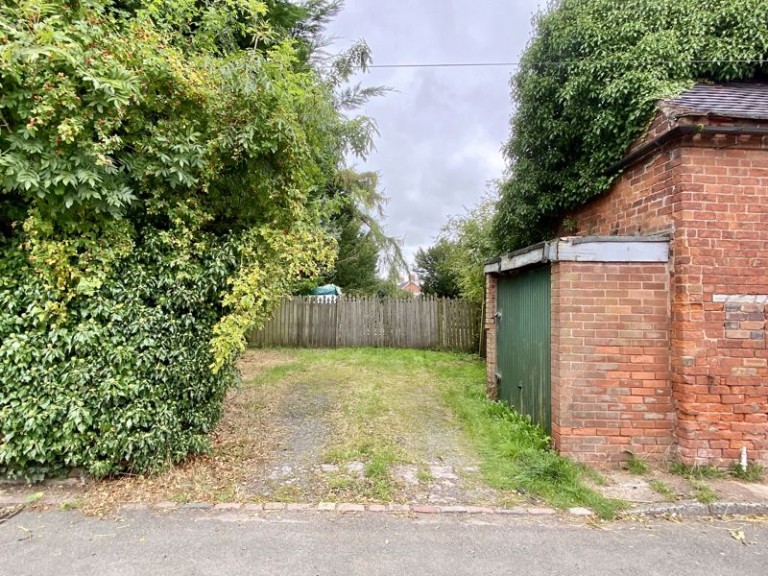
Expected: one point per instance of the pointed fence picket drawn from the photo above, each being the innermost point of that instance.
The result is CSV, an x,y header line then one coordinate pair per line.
x,y
351,322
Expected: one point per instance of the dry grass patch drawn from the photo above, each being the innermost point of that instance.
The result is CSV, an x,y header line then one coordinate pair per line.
x,y
241,443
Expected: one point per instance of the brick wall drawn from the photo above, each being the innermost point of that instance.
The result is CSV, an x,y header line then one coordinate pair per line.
x,y
651,357
719,357
711,193
639,203
610,361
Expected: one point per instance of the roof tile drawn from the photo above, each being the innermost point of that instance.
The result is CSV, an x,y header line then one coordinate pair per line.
x,y
735,100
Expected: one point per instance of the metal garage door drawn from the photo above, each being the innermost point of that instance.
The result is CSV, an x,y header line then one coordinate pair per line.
x,y
523,343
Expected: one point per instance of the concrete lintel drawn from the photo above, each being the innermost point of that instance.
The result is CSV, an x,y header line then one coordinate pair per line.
x,y
493,267
585,249
535,254
741,298
610,249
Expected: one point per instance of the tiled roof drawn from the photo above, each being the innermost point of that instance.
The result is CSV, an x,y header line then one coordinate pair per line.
x,y
728,100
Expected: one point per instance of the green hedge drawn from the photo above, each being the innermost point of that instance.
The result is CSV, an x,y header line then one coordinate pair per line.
x,y
115,381
165,178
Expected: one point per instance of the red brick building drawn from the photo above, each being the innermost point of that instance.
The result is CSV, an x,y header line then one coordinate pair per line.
x,y
657,296
410,286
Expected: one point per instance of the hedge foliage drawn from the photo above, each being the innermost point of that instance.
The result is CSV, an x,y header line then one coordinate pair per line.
x,y
119,381
164,167
587,88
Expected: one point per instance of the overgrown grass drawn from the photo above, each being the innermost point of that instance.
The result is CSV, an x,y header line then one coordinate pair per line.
x,y
753,473
697,472
515,453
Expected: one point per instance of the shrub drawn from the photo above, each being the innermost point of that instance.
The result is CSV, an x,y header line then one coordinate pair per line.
x,y
164,176
119,380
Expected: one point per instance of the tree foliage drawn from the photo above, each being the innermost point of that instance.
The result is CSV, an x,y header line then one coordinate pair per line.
x,y
470,235
358,256
166,169
362,242
436,270
587,86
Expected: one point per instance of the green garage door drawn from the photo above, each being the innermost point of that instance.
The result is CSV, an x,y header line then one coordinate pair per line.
x,y
523,343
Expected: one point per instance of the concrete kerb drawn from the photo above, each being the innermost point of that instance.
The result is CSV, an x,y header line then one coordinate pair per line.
x,y
688,510
697,509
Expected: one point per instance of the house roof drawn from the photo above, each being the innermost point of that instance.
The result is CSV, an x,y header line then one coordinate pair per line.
x,y
735,100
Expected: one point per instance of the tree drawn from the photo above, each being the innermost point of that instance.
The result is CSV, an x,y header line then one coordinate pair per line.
x,y
470,236
356,224
358,257
587,87
434,267
167,169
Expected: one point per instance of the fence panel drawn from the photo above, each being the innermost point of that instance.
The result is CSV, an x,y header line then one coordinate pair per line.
x,y
351,322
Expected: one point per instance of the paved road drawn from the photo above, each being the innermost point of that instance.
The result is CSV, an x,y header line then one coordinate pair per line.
x,y
192,542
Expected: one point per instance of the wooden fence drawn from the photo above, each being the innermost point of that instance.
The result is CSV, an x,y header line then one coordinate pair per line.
x,y
349,322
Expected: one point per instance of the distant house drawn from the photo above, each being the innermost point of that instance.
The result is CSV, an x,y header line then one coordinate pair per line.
x,y
411,286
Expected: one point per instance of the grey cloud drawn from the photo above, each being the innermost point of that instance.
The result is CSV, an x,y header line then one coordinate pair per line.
x,y
442,130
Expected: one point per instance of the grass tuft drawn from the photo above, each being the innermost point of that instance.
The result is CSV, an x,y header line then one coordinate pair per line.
x,y
754,472
697,471
660,488
703,493
636,466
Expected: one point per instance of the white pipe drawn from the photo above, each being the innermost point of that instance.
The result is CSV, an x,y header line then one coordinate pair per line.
x,y
743,461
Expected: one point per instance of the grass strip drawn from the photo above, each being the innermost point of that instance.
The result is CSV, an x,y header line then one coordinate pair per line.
x,y
516,454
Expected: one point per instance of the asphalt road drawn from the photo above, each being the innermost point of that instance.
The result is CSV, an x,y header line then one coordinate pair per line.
x,y
194,542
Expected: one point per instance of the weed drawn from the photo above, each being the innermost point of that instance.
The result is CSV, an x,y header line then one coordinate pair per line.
x,y
339,483
32,498
636,466
286,493
71,504
424,476
697,471
382,489
226,493
753,473
660,488
703,492
377,468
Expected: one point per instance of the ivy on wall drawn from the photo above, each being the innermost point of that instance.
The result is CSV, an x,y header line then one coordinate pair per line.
x,y
587,88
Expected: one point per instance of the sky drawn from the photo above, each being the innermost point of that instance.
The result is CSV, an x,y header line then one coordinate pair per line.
x,y
441,129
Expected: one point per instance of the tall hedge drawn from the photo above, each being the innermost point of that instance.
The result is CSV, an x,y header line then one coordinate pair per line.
x,y
587,87
163,176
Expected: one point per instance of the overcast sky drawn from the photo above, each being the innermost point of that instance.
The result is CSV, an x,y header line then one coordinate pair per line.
x,y
441,128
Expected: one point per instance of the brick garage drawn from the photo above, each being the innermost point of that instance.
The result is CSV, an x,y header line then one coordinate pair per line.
x,y
663,357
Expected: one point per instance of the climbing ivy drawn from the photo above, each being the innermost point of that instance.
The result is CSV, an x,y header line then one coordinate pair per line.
x,y
163,175
587,87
